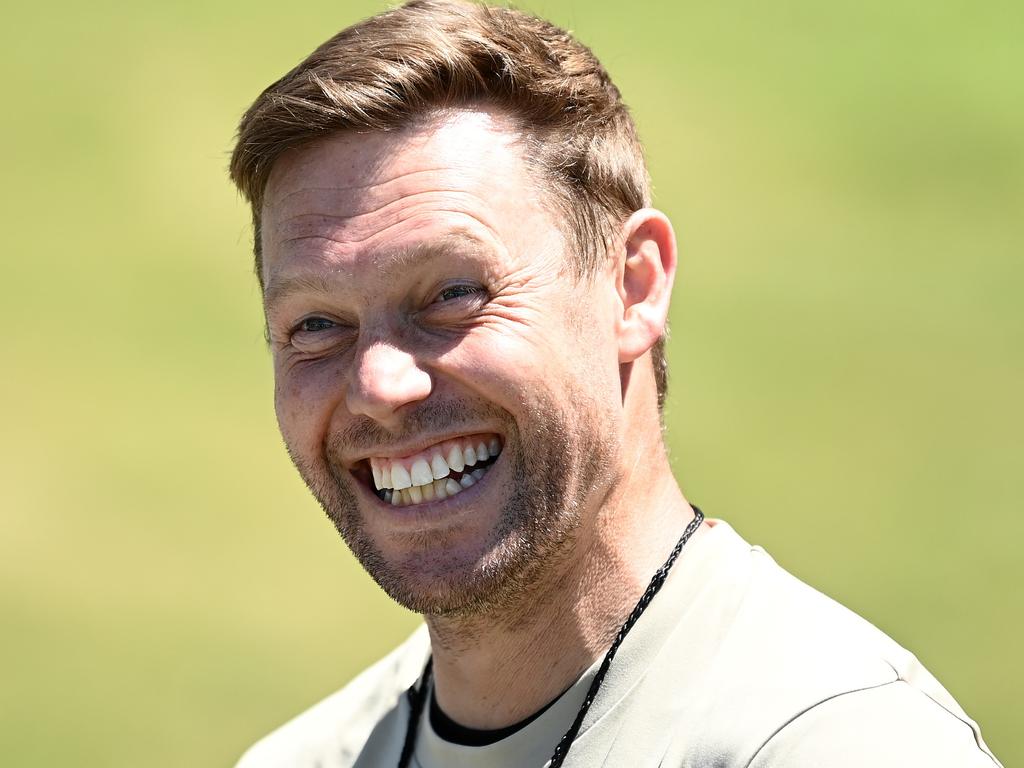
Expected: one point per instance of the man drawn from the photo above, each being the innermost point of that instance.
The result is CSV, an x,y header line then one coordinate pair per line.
x,y
465,292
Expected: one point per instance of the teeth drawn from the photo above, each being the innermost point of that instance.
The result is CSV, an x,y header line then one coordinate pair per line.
x,y
430,478
455,459
421,474
438,466
399,477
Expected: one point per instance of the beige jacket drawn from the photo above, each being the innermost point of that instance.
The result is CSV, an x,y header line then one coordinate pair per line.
x,y
735,664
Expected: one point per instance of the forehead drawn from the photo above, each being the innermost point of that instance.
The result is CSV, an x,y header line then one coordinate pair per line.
x,y
462,172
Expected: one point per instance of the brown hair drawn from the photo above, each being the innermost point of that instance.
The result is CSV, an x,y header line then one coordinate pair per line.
x,y
402,65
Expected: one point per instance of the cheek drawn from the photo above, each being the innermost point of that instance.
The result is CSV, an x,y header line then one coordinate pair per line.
x,y
515,369
594,345
303,402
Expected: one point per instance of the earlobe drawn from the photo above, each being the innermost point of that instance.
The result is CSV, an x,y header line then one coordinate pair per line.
x,y
647,266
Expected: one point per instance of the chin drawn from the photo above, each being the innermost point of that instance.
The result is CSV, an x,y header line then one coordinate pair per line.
x,y
441,577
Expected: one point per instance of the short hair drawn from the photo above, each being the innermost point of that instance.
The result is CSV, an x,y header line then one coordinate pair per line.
x,y
405,64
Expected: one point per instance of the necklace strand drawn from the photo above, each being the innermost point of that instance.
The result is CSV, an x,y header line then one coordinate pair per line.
x,y
418,693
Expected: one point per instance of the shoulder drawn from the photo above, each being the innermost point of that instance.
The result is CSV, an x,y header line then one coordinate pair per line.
x,y
791,663
894,724
332,733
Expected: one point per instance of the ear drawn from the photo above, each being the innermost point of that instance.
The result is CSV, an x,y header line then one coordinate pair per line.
x,y
646,269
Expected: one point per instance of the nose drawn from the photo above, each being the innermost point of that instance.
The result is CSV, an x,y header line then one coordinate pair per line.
x,y
384,379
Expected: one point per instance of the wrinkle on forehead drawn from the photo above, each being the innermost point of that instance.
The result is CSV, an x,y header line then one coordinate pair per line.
x,y
374,205
317,223
350,188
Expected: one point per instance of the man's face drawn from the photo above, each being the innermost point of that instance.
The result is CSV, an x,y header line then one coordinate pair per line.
x,y
423,313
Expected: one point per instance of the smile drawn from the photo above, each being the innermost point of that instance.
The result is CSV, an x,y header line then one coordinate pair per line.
x,y
442,470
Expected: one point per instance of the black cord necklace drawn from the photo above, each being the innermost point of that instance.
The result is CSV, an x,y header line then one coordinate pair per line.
x,y
418,693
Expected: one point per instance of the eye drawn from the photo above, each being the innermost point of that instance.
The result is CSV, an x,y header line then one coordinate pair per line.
x,y
316,335
315,324
453,292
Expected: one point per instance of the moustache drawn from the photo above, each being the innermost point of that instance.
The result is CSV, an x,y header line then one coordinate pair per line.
x,y
365,435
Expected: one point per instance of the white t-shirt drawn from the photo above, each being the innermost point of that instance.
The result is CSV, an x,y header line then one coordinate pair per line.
x,y
735,664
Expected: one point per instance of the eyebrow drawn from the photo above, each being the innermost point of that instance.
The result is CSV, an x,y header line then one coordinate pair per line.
x,y
284,288
280,288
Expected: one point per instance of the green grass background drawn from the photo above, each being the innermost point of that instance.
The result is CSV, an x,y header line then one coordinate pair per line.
x,y
847,179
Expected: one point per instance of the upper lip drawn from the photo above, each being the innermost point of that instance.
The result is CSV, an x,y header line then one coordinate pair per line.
x,y
410,449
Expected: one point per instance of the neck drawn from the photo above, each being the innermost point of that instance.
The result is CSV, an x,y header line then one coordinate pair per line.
x,y
493,671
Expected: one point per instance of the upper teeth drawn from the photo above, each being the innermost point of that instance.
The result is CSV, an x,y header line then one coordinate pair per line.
x,y
433,464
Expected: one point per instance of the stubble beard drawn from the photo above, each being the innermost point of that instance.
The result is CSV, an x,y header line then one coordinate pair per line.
x,y
554,462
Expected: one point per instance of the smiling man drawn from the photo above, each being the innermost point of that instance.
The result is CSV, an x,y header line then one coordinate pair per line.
x,y
466,290
428,343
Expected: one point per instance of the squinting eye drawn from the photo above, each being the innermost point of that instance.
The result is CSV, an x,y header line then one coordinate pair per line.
x,y
314,324
457,292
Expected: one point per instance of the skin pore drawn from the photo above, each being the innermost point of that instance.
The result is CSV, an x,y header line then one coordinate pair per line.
x,y
419,293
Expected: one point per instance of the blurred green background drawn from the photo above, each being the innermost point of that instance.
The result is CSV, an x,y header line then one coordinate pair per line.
x,y
847,179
